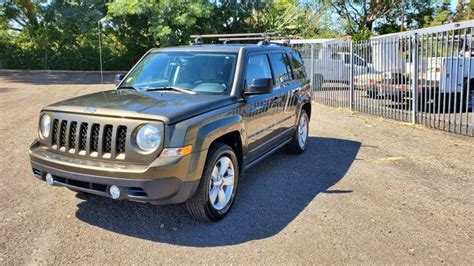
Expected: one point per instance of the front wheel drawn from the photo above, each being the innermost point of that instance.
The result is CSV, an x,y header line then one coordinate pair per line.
x,y
300,138
218,185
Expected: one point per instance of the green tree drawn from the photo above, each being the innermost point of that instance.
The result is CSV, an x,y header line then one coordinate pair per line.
x,y
360,16
169,22
464,10
417,14
443,14
63,34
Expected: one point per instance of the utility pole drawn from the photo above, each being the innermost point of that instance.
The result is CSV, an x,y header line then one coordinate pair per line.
x,y
100,53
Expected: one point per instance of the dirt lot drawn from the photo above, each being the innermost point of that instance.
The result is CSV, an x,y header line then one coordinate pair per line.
x,y
366,190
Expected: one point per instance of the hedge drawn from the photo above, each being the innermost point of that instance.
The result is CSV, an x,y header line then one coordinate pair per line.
x,y
80,58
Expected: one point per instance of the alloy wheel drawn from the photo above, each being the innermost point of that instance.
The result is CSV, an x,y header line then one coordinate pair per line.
x,y
221,183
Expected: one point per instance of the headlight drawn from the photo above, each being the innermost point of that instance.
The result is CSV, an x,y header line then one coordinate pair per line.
x,y
148,138
45,125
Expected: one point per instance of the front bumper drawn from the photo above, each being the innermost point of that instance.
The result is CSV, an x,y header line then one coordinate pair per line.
x,y
165,181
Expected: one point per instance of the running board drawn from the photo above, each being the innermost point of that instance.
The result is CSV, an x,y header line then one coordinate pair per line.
x,y
268,153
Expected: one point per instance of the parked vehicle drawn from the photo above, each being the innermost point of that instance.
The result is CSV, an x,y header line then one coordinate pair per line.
x,y
182,126
447,78
369,82
441,80
335,66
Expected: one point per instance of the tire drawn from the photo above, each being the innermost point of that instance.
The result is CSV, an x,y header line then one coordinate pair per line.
x,y
296,146
200,206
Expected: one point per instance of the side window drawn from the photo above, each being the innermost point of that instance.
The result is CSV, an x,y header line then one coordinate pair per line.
x,y
297,64
281,68
257,68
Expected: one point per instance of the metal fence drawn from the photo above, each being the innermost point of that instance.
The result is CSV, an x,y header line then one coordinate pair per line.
x,y
424,77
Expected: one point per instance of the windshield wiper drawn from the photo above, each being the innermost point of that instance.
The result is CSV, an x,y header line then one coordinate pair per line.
x,y
174,88
126,88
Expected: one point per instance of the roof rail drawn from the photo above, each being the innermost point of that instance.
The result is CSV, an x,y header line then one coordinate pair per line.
x,y
284,41
264,37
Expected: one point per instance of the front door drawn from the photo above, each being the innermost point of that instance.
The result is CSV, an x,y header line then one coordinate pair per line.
x,y
259,112
269,116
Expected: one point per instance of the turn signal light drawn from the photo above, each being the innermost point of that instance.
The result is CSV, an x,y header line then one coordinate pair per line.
x,y
174,152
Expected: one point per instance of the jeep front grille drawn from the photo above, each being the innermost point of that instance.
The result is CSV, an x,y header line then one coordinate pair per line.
x,y
94,140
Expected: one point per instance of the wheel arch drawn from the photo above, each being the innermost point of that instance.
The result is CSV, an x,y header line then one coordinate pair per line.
x,y
307,108
234,140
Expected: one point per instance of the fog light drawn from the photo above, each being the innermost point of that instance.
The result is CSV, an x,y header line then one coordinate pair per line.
x,y
114,192
49,179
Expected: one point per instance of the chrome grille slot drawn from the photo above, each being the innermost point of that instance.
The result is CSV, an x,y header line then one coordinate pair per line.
x,y
121,139
83,137
55,132
72,135
62,134
107,140
95,130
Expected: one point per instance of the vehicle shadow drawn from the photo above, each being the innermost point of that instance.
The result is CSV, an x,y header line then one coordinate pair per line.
x,y
271,195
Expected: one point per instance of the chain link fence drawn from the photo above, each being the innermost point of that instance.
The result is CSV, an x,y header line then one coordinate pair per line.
x,y
424,77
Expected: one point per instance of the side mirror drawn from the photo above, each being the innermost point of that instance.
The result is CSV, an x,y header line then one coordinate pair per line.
x,y
259,86
118,78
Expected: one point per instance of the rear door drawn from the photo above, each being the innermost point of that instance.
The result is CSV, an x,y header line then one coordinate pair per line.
x,y
286,89
298,88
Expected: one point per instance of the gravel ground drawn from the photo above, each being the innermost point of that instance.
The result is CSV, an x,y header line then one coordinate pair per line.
x,y
366,190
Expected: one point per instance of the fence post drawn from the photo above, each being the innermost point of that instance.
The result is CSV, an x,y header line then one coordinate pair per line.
x,y
311,69
351,81
415,77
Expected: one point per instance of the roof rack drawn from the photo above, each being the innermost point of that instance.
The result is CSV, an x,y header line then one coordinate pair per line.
x,y
263,38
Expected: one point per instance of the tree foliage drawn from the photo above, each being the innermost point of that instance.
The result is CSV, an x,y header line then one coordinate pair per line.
x,y
360,15
64,34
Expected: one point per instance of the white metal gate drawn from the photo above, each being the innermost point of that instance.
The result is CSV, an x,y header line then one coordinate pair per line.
x,y
424,76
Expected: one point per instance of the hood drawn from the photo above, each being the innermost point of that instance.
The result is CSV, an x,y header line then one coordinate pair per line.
x,y
167,106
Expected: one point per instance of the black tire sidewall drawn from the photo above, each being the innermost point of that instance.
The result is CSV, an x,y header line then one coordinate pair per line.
x,y
296,137
221,150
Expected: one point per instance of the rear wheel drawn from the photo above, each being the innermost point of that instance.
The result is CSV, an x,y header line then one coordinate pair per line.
x,y
218,185
300,138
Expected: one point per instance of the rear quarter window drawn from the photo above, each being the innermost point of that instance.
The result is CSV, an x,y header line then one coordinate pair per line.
x,y
299,71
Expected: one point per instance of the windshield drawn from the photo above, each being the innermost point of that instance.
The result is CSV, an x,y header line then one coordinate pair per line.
x,y
200,72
